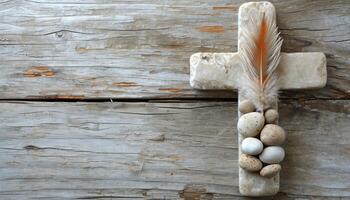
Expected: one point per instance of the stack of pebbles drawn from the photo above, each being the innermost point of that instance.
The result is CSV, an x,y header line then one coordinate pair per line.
x,y
260,148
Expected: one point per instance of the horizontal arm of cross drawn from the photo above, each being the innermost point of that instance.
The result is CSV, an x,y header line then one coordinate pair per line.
x,y
223,71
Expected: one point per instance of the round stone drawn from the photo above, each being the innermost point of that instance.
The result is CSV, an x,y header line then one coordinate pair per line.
x,y
272,134
271,116
272,155
270,171
250,124
249,163
251,146
246,106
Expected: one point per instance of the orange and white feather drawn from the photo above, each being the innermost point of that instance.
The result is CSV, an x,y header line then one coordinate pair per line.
x,y
260,55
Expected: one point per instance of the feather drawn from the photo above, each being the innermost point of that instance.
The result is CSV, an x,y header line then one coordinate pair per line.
x,y
260,54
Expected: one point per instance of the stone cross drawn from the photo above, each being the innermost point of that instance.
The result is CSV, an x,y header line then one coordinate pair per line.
x,y
210,71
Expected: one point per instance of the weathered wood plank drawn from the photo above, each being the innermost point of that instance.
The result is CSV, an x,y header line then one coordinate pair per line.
x,y
60,150
130,49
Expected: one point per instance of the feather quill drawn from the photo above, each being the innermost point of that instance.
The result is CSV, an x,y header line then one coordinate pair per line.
x,y
260,55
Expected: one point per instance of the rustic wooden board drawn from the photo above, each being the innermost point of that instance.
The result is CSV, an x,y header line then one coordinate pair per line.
x,y
74,49
65,150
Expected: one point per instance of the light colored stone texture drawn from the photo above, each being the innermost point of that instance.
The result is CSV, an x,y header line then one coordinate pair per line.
x,y
223,71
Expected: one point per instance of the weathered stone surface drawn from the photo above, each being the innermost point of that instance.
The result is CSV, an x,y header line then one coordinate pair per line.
x,y
252,184
223,70
215,71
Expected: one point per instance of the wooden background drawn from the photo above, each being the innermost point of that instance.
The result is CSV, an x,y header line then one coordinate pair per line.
x,y
95,101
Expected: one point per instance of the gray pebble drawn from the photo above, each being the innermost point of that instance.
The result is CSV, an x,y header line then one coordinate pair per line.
x,y
252,146
272,155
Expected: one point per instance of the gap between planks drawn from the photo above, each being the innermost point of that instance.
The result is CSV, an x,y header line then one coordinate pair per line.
x,y
157,100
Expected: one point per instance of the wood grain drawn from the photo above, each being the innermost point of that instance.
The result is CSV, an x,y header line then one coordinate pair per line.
x,y
131,49
65,150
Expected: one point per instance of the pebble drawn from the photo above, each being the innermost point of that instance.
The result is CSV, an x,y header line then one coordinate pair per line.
x,y
251,146
250,124
272,134
272,155
249,163
270,171
246,106
271,116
